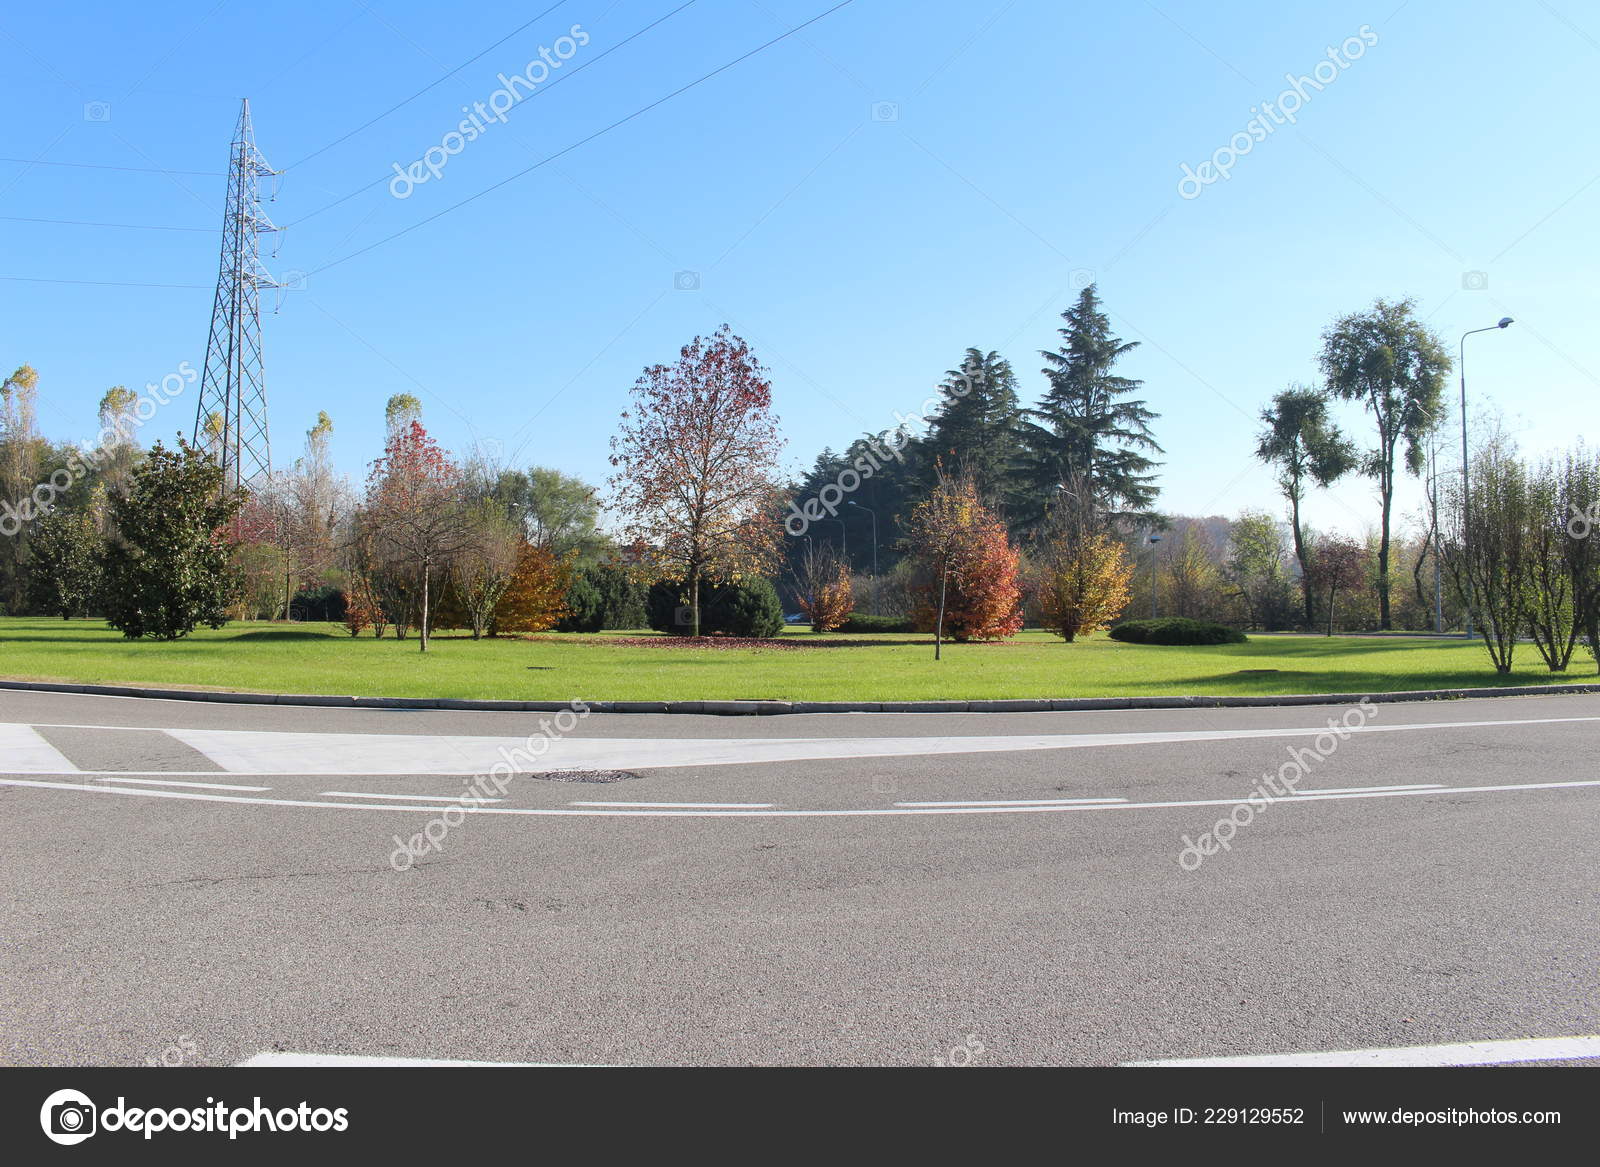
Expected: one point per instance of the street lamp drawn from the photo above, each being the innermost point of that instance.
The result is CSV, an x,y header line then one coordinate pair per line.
x,y
1466,489
1153,540
874,515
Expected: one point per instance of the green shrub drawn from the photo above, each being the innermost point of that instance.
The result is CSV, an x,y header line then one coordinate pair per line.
x,y
1176,630
586,607
747,608
862,622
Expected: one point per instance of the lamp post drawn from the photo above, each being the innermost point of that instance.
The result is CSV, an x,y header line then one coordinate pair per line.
x,y
874,515
1154,578
1466,489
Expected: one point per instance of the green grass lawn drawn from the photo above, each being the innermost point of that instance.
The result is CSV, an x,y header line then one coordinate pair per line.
x,y
319,658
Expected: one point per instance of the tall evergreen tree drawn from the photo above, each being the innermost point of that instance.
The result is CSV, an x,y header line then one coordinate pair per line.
x,y
974,431
1089,439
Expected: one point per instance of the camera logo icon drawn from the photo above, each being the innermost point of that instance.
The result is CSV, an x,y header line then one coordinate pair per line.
x,y
97,111
293,280
683,616
1474,281
885,111
68,1117
686,281
1081,278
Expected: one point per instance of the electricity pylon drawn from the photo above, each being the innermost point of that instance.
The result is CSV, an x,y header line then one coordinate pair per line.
x,y
231,419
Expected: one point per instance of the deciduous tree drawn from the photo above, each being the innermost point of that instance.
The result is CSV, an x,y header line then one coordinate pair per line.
x,y
168,567
1391,363
1086,584
969,569
696,462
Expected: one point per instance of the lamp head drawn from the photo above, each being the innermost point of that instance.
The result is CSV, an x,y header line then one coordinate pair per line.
x,y
1505,321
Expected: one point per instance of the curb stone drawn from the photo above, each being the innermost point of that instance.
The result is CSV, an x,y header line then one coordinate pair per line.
x,y
772,708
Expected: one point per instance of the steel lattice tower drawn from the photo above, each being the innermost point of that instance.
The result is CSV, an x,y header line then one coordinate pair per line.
x,y
231,420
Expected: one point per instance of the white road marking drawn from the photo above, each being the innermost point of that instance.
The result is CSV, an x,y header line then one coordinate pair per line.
x,y
344,1060
23,751
1017,802
686,805
407,797
1365,789
646,811
266,752
165,782
1467,1053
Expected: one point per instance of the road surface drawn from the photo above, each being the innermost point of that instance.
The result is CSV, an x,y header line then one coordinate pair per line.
x,y
200,884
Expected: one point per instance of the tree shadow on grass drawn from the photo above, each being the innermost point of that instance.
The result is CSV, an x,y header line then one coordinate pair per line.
x,y
1250,683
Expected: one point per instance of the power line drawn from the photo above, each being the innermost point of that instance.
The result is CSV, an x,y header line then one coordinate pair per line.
x,y
543,89
86,223
584,141
128,169
427,87
104,283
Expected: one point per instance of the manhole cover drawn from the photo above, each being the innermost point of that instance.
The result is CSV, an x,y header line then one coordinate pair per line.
x,y
584,775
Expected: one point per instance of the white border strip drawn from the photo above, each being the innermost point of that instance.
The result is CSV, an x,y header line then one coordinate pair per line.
x,y
1467,1053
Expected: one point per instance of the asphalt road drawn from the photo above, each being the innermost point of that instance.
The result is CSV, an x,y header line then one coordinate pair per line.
x,y
792,889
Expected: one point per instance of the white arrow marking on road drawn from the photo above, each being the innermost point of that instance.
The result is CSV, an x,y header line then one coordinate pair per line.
x,y
269,753
1468,1053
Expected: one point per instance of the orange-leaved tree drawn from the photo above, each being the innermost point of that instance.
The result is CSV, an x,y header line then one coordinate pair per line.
x,y
970,587
535,598
825,594
696,461
1085,584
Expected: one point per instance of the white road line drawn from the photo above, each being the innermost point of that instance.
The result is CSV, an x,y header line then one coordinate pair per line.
x,y
1467,1053
263,752
1366,789
195,785
291,1059
685,805
408,797
25,752
643,810
1018,802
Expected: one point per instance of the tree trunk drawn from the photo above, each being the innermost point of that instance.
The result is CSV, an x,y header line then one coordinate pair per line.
x,y
422,631
1332,592
1300,556
938,626
1387,484
694,599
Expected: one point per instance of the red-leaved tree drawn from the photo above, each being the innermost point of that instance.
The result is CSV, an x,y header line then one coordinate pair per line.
x,y
696,462
1338,564
970,587
416,508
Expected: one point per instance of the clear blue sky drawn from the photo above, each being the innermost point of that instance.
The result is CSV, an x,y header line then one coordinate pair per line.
x,y
1030,143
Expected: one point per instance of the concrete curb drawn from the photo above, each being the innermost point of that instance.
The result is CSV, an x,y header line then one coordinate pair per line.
x,y
767,708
